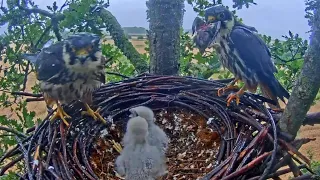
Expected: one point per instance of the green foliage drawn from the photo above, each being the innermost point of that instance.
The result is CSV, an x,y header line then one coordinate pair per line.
x,y
315,165
9,176
118,64
288,55
193,64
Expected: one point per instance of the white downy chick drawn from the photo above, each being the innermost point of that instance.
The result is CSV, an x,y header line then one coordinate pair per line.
x,y
156,137
139,160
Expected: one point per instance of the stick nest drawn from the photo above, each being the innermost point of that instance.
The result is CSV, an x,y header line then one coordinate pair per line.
x,y
208,140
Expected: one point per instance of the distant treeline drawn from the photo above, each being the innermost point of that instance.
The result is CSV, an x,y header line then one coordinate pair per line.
x,y
135,30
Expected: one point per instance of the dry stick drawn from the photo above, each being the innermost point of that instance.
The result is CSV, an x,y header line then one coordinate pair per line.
x,y
26,94
63,140
24,84
76,160
17,133
85,159
55,175
10,164
294,168
248,166
52,143
26,158
297,143
279,173
64,165
292,150
34,99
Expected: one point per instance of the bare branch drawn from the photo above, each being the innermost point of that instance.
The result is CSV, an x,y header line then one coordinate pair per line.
x,y
312,119
55,18
26,94
26,72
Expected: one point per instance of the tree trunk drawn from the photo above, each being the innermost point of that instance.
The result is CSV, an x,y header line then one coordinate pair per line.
x,y
307,85
165,18
122,42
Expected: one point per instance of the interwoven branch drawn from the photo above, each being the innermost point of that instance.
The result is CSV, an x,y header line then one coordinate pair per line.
x,y
249,144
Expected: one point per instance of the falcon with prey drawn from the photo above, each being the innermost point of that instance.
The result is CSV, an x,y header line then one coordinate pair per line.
x,y
70,70
245,55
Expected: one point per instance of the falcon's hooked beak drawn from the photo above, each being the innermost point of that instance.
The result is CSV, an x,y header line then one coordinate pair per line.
x,y
216,28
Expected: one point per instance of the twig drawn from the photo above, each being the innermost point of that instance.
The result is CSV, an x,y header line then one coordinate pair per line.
x,y
247,167
26,94
20,134
34,99
26,158
26,72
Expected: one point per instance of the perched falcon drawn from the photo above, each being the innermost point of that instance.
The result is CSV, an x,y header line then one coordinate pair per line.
x,y
70,70
203,33
245,54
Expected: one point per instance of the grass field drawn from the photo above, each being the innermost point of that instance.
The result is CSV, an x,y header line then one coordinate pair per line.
x,y
306,131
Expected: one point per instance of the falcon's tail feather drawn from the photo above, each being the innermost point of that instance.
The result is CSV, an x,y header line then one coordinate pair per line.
x,y
272,89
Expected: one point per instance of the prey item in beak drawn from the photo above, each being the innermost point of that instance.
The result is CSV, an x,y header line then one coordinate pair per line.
x,y
215,29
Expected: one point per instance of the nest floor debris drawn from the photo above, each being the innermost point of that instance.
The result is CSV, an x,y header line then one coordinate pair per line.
x,y
208,140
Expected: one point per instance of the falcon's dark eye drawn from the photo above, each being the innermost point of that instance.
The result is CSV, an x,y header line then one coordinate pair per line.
x,y
221,16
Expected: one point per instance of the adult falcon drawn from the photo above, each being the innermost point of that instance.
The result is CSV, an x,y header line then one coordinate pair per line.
x,y
245,54
70,70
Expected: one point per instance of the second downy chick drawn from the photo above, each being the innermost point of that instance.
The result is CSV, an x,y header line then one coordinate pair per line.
x,y
156,137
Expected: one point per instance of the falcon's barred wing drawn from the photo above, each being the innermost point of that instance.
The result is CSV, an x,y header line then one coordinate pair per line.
x,y
257,60
252,50
50,64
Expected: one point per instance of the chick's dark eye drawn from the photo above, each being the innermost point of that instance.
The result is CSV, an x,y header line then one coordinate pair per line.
x,y
221,16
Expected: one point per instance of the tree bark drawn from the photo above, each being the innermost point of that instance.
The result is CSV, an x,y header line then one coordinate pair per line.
x,y
122,42
308,83
165,22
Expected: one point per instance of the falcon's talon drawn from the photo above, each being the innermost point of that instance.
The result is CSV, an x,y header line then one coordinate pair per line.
x,y
94,114
278,110
116,146
233,96
60,114
224,89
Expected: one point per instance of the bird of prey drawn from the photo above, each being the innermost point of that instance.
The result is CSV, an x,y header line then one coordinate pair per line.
x,y
203,33
139,160
70,70
245,54
156,137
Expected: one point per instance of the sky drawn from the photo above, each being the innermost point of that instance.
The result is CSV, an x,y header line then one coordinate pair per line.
x,y
269,17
